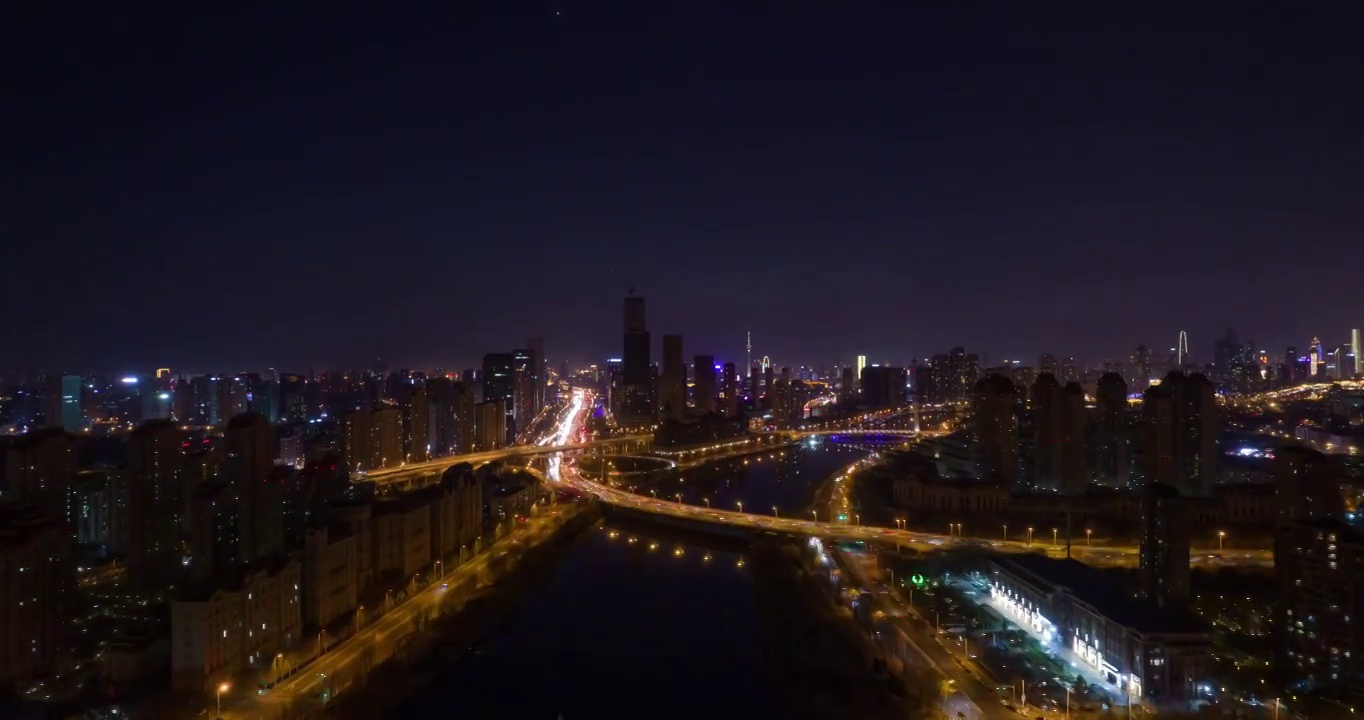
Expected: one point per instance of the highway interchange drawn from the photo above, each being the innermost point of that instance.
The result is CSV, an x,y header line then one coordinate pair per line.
x,y
564,470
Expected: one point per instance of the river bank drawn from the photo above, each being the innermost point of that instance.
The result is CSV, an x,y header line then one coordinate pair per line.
x,y
814,648
475,609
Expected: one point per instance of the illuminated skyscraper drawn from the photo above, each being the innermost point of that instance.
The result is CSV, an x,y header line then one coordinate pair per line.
x,y
861,365
1358,351
1182,350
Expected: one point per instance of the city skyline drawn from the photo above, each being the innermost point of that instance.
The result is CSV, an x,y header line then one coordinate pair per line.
x,y
327,198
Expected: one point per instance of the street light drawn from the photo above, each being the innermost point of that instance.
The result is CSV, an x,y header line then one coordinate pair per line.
x,y
707,501
859,519
222,688
1087,534
1053,537
774,511
1029,536
1006,532
814,515
740,503
1221,536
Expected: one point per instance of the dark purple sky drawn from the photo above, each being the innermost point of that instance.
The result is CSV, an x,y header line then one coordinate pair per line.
x,y
235,189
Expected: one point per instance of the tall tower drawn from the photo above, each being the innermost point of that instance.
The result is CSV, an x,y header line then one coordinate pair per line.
x,y
673,395
638,404
748,345
1183,348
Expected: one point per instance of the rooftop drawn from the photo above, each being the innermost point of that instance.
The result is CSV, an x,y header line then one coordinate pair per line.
x,y
1096,588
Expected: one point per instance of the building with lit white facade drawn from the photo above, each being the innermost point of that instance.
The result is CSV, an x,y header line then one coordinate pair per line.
x,y
1134,646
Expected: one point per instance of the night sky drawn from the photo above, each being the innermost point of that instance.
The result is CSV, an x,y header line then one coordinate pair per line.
x,y
232,189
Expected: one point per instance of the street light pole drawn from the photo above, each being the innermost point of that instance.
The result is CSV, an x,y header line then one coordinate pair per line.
x,y
1006,532
1221,536
222,688
774,511
1053,536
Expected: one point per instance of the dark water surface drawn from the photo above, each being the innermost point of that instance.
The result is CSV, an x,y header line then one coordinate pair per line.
x,y
648,629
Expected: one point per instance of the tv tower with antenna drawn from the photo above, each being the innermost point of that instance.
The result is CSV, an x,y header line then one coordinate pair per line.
x,y
749,346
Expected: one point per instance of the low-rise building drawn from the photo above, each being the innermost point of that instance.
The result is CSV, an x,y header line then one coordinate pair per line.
x,y
1137,647
402,536
220,627
329,588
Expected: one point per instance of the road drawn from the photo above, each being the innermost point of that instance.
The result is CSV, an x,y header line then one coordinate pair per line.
x,y
348,656
566,472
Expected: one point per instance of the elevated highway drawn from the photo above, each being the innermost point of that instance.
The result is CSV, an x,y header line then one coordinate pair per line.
x,y
411,471
567,474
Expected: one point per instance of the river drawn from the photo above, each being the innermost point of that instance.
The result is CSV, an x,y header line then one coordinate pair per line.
x,y
631,626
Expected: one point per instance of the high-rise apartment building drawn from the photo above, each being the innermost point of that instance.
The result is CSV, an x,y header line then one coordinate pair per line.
x,y
37,577
1074,479
1318,563
703,388
415,411
40,468
673,380
847,385
1112,438
1181,442
731,380
154,483
883,386
525,398
490,425
1047,447
1164,545
249,454
962,370
451,407
539,371
371,438
996,429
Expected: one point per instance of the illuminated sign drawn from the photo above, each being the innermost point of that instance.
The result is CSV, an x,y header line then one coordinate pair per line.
x,y
129,380
918,580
